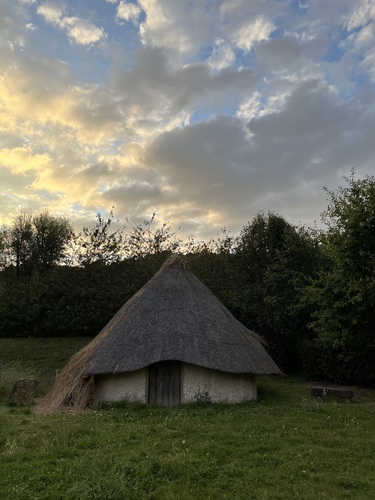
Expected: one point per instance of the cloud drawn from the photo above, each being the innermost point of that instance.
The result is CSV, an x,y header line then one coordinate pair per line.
x,y
136,196
222,55
281,53
283,165
361,25
129,12
361,14
189,28
154,97
52,13
80,31
182,27
23,159
255,31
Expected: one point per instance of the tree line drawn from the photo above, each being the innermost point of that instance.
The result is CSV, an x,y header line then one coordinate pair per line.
x,y
310,294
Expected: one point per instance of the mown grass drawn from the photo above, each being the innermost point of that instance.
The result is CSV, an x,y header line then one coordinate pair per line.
x,y
285,445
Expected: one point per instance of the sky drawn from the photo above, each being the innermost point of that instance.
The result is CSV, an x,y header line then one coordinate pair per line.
x,y
204,112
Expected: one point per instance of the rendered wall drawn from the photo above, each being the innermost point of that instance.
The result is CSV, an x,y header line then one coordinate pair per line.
x,y
220,387
196,382
130,386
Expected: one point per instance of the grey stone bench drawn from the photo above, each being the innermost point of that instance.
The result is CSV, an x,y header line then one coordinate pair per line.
x,y
331,392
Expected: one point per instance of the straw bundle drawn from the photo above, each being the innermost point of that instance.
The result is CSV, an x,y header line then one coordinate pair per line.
x,y
70,389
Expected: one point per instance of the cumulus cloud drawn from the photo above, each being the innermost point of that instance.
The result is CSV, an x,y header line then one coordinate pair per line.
x,y
290,154
23,160
222,55
128,12
255,31
156,97
361,14
182,27
51,12
190,27
360,23
80,31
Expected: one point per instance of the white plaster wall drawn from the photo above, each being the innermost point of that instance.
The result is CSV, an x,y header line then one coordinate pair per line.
x,y
131,386
221,387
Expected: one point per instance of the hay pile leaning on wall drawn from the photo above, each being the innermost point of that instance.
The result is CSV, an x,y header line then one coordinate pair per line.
x,y
72,388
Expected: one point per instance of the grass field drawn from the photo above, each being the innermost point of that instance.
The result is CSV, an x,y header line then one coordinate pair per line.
x,y
285,445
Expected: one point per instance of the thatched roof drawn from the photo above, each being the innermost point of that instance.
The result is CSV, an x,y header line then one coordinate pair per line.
x,y
176,317
173,317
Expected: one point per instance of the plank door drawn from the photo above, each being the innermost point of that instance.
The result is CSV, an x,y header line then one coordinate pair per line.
x,y
164,383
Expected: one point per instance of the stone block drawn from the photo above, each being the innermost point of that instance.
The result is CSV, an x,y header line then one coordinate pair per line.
x,y
23,391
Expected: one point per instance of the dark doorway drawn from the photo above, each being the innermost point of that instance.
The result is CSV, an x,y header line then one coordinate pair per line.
x,y
164,383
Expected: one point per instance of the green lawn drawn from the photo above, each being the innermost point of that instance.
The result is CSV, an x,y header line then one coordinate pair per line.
x,y
283,446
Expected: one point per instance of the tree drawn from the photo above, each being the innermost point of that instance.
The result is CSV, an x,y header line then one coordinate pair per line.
x,y
21,240
51,235
5,249
144,240
213,262
34,242
97,243
275,261
344,294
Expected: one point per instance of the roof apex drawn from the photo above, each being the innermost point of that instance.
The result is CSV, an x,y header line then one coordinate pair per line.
x,y
175,260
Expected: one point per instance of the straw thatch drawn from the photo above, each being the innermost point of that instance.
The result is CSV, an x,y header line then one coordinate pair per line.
x,y
173,317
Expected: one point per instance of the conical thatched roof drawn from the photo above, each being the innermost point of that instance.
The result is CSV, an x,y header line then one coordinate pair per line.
x,y
176,317
173,317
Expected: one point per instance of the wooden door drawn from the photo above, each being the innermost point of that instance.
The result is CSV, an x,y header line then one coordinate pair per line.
x,y
164,383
